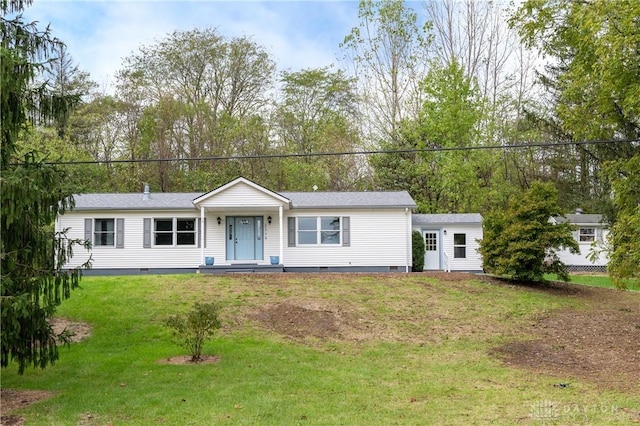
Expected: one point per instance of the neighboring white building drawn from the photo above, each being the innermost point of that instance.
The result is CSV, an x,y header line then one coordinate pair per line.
x,y
451,241
591,234
242,226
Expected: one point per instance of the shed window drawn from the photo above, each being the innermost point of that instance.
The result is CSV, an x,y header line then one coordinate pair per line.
x,y
459,246
587,235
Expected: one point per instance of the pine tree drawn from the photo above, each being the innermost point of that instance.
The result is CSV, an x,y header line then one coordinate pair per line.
x,y
33,253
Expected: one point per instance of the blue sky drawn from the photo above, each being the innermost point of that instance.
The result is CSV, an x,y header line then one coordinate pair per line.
x,y
99,34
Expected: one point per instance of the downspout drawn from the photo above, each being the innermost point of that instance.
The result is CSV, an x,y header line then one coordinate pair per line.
x,y
202,260
408,241
281,222
56,229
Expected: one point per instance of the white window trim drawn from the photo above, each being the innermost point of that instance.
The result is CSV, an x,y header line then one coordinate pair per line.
x,y
318,232
431,242
460,245
594,235
174,232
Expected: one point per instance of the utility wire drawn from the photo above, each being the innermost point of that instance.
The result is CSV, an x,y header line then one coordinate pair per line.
x,y
332,154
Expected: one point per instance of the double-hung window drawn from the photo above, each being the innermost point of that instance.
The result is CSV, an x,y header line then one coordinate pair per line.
x,y
459,246
185,232
104,232
587,235
329,230
319,230
174,231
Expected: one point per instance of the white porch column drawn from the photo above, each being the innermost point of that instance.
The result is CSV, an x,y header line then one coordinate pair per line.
x,y
202,225
281,222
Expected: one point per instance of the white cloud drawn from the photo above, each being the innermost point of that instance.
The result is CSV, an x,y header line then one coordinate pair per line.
x,y
99,35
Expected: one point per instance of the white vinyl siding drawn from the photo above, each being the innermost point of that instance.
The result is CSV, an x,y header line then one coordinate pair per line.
x,y
369,238
472,260
462,256
582,258
376,238
133,254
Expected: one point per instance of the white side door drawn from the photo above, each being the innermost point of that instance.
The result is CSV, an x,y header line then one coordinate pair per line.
x,y
431,249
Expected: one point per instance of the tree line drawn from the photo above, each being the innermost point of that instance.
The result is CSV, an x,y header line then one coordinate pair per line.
x,y
445,75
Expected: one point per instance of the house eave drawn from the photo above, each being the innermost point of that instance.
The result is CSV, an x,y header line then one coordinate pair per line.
x,y
356,207
129,209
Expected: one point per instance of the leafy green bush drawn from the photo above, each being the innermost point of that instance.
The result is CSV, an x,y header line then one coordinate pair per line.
x,y
624,250
521,243
417,250
193,329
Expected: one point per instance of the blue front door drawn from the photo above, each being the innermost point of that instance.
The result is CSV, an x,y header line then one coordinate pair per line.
x,y
244,238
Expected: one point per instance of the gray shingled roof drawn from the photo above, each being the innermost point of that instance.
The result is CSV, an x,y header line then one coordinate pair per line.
x,y
580,218
156,201
301,200
309,200
461,218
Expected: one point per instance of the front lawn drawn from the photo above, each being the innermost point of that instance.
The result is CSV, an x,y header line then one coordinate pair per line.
x,y
319,349
595,280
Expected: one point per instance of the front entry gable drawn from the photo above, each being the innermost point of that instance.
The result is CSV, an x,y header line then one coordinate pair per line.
x,y
239,194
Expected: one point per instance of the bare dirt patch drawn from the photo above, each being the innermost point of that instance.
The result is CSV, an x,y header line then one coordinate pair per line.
x,y
299,322
187,360
600,344
74,330
11,400
451,276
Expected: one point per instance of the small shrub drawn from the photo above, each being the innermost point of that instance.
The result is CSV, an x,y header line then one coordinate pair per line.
x,y
193,329
417,248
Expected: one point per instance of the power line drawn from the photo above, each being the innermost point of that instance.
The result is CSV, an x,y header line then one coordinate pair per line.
x,y
344,153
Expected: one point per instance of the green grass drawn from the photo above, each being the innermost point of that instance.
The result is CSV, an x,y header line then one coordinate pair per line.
x,y
414,350
594,280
